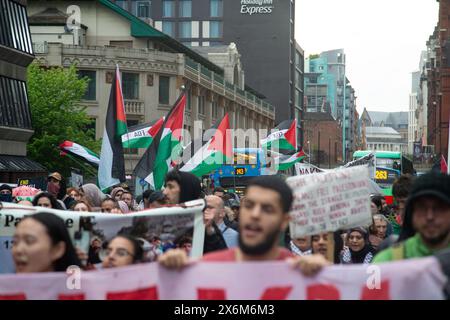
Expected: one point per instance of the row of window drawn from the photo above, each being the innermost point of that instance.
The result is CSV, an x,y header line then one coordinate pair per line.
x,y
14,109
14,31
143,9
185,29
130,86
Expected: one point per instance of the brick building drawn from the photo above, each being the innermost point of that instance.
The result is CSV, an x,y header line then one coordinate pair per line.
x,y
438,78
322,139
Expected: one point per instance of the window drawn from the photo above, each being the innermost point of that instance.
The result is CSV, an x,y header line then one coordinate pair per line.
x,y
122,44
168,9
90,93
185,30
216,9
141,9
298,100
167,28
122,3
215,29
189,101
164,86
215,110
185,8
130,85
14,109
201,105
14,31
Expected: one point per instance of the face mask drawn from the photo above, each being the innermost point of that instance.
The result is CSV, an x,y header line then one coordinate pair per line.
x,y
53,188
6,198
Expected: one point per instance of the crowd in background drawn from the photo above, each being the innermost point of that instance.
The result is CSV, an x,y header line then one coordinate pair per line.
x,y
248,227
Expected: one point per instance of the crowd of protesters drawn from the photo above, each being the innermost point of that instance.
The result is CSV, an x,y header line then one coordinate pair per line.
x,y
250,227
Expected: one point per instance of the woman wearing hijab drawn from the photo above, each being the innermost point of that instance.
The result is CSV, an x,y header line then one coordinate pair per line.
x,y
359,249
116,193
93,195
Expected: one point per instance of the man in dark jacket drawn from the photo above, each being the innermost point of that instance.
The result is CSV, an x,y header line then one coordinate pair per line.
x,y
181,187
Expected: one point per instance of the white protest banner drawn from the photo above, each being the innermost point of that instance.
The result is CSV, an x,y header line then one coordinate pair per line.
x,y
369,160
329,201
407,279
306,168
166,223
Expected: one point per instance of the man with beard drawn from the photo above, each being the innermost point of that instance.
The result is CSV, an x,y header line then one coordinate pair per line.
x,y
426,225
263,217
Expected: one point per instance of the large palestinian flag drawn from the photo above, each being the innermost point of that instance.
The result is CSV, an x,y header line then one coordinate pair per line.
x,y
284,162
157,160
80,152
214,153
141,136
111,170
283,137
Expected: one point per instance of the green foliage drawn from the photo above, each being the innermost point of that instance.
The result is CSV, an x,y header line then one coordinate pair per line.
x,y
54,98
314,56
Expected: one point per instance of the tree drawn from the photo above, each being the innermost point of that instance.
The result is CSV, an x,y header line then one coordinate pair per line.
x,y
57,115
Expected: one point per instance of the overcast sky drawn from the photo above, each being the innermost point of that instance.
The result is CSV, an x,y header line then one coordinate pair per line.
x,y
382,39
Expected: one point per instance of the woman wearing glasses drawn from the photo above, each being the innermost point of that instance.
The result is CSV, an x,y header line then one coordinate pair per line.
x,y
122,250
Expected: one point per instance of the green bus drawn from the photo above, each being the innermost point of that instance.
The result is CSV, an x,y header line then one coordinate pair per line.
x,y
389,166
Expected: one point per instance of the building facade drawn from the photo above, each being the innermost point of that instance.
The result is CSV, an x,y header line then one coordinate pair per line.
x,y
385,139
438,80
327,89
323,139
262,30
153,67
16,53
413,112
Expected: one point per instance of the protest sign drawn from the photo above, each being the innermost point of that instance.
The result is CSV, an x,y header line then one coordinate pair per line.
x,y
306,168
368,160
330,201
168,224
36,182
407,279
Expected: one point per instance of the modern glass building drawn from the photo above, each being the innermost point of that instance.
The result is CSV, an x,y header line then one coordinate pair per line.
x,y
16,53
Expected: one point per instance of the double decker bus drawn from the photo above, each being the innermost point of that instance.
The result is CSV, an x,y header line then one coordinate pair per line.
x,y
389,166
247,164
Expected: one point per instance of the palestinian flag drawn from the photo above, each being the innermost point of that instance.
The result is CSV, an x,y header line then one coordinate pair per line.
x,y
443,164
284,162
214,153
157,160
141,136
77,150
283,137
111,169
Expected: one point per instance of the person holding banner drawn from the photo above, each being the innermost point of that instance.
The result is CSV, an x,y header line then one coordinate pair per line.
x,y
42,244
359,249
46,200
426,224
181,187
264,215
122,250
321,244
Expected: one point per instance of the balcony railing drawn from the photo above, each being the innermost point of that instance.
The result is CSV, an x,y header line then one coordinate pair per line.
x,y
198,73
134,107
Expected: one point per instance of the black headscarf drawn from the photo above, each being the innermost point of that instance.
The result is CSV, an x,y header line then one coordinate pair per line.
x,y
360,256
